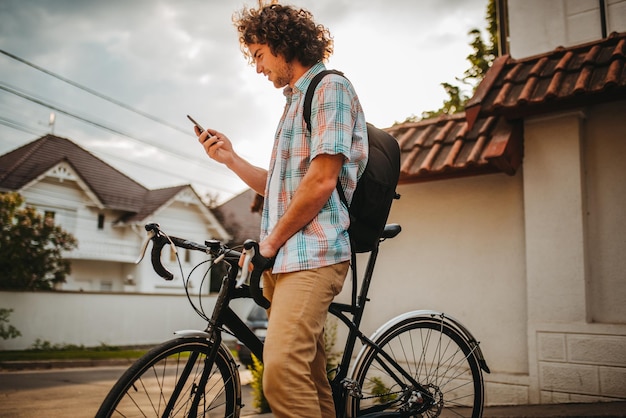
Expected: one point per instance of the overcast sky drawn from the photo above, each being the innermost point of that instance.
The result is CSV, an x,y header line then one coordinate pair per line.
x,y
177,57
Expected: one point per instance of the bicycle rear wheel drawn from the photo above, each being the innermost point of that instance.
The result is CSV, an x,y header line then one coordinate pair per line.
x,y
165,380
436,355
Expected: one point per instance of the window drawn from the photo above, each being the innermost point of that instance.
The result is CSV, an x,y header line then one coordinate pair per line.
x,y
100,221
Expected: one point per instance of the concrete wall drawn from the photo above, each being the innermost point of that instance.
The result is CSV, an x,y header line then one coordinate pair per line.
x,y
462,251
532,264
574,193
91,319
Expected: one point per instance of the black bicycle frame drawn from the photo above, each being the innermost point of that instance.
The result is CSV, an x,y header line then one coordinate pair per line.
x,y
350,314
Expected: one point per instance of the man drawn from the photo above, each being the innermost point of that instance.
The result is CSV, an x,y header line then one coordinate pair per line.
x,y
304,224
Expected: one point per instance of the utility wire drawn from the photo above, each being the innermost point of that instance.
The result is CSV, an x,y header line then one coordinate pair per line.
x,y
17,126
40,102
95,93
58,109
100,95
161,169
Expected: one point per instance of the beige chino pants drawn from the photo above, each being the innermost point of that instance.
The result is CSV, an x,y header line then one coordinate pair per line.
x,y
294,377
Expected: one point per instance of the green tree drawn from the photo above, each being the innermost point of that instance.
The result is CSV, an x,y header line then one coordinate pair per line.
x,y
7,331
31,247
480,61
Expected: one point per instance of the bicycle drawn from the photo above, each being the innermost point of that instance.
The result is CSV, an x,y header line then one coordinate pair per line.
x,y
421,363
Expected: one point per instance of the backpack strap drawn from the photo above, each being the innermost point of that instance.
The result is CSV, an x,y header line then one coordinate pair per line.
x,y
308,99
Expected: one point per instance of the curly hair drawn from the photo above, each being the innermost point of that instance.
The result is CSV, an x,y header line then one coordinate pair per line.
x,y
287,31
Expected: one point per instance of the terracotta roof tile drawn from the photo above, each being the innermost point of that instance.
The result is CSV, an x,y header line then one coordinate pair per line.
x,y
446,147
561,79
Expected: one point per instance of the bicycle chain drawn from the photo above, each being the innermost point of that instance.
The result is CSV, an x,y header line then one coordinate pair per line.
x,y
378,396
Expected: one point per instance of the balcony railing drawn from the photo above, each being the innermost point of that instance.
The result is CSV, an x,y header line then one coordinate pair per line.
x,y
109,250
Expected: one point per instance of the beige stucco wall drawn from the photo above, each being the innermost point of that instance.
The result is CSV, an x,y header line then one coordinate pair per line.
x,y
461,251
605,164
532,264
574,195
92,319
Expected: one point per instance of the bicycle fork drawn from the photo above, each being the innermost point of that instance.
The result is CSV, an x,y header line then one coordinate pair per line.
x,y
197,389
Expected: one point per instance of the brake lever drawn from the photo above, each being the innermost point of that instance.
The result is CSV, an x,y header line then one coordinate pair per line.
x,y
245,269
144,246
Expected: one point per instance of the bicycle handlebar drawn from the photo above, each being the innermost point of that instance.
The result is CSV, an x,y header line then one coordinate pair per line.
x,y
260,264
251,250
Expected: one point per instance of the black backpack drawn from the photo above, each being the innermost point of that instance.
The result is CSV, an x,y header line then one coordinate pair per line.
x,y
376,188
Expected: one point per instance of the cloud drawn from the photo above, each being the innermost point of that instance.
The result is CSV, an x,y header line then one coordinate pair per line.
x,y
170,59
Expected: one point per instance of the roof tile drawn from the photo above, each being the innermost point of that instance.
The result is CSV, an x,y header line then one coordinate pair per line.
x,y
561,79
447,147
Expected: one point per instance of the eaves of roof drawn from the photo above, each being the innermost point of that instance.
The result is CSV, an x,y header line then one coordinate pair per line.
x,y
153,200
446,147
562,79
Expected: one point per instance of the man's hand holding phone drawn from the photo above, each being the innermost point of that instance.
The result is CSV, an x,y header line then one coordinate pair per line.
x,y
200,130
216,145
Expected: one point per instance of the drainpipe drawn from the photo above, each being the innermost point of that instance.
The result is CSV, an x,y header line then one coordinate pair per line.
x,y
603,18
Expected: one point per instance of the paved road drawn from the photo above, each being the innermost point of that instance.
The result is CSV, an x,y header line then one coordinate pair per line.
x,y
77,393
55,393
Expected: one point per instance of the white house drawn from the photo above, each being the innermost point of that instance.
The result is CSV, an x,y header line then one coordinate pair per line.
x,y
106,211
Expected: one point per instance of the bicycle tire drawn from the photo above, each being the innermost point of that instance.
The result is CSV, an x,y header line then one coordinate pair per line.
x,y
437,356
146,388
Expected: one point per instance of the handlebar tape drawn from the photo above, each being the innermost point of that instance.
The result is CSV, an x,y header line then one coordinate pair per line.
x,y
260,264
155,255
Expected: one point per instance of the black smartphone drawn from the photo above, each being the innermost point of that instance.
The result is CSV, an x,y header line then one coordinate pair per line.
x,y
196,123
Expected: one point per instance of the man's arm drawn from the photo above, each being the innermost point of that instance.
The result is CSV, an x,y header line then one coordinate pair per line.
x,y
312,194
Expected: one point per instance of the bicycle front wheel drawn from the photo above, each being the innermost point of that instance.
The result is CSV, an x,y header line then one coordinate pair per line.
x,y
164,382
423,350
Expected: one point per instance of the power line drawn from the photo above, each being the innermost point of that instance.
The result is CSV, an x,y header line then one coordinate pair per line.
x,y
17,126
201,164
161,169
41,102
95,93
58,109
89,121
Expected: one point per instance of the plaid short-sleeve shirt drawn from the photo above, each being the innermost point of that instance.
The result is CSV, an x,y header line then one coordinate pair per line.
x,y
337,127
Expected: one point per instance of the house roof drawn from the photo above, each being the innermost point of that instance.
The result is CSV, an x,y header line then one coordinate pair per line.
x,y
153,200
562,79
114,190
446,147
25,164
488,136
